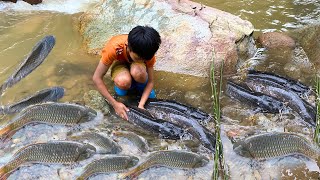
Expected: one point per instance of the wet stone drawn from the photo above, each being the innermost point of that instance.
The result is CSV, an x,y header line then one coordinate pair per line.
x,y
96,101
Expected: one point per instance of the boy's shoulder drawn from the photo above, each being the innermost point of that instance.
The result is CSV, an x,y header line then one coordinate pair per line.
x,y
118,39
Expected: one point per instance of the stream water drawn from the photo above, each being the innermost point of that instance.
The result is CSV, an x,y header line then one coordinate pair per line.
x,y
68,65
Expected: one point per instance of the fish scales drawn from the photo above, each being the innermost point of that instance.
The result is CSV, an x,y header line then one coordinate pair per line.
x,y
139,141
276,145
107,165
173,158
52,113
103,144
60,152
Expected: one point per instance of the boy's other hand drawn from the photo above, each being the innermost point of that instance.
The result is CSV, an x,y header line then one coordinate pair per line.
x,y
121,110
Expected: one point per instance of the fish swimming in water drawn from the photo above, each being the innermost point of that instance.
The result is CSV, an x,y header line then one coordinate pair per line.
x,y
271,145
290,84
107,165
46,95
304,109
51,113
57,152
264,102
37,55
102,144
139,141
172,159
197,114
164,129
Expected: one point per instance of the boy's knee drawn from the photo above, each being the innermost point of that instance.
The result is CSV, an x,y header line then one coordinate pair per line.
x,y
139,74
123,82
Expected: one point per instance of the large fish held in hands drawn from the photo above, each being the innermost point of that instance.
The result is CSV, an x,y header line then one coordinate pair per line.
x,y
51,113
52,94
173,159
37,55
263,102
164,129
108,165
271,145
57,152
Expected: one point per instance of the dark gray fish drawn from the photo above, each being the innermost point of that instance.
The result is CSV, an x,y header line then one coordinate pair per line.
x,y
288,83
144,120
60,152
192,112
103,144
107,165
190,125
45,95
173,159
51,113
37,55
304,109
264,102
271,145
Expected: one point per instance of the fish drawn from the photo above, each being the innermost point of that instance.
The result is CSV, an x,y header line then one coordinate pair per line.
x,y
57,152
52,94
50,113
170,158
37,55
195,113
190,125
103,144
272,145
139,141
291,84
304,109
265,103
107,165
144,120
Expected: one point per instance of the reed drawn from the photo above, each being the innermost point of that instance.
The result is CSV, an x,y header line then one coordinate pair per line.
x,y
317,130
216,91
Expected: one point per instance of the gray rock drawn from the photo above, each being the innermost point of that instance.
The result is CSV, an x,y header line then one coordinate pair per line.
x,y
96,101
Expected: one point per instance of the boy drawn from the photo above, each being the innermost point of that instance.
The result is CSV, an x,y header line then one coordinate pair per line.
x,y
131,58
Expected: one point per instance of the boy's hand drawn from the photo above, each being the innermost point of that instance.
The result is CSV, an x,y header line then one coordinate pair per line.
x,y
141,107
121,110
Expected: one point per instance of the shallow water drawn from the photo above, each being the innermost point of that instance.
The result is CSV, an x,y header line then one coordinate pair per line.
x,y
69,66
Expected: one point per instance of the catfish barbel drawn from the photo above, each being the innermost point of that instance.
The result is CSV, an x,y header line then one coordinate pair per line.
x,y
108,165
103,144
264,102
164,129
51,113
37,55
271,145
304,109
58,152
172,159
201,116
46,95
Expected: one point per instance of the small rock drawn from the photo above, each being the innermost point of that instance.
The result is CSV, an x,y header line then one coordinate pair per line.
x,y
274,40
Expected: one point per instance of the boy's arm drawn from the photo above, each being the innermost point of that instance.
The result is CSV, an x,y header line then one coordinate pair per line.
x,y
97,78
148,88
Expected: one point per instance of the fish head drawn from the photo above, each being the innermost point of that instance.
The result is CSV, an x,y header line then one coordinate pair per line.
x,y
241,149
86,151
89,115
272,104
200,161
132,161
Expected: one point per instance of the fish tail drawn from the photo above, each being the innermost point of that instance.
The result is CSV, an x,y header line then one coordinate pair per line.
x,y
4,132
132,174
3,173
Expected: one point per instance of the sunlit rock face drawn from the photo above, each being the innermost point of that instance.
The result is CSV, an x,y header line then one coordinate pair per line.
x,y
190,32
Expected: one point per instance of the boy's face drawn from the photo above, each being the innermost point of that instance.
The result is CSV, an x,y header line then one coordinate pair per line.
x,y
133,57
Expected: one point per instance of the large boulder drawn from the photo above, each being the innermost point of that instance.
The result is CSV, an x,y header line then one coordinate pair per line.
x,y
191,33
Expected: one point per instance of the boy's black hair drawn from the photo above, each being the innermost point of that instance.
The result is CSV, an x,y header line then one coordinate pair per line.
x,y
144,41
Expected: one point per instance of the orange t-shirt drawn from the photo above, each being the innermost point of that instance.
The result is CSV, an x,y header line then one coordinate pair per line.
x,y
116,49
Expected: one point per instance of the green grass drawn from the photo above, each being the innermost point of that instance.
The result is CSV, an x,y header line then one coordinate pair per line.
x,y
317,130
216,91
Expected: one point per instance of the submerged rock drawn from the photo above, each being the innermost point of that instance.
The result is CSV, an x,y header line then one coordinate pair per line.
x,y
95,100
187,47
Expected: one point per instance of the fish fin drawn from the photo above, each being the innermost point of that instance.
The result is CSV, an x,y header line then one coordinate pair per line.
x,y
3,173
132,174
4,132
